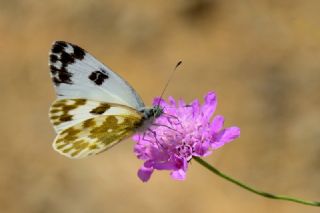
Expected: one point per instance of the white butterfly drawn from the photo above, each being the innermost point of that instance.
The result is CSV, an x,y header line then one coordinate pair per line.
x,y
95,108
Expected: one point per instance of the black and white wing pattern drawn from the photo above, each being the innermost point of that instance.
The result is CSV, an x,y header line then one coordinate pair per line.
x,y
77,74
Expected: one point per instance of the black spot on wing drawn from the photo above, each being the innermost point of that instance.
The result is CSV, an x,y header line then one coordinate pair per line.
x,y
53,58
58,46
66,58
56,81
62,54
98,77
78,52
62,77
65,77
54,70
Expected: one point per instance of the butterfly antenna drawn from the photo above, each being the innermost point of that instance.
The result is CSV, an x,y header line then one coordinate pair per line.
x,y
170,78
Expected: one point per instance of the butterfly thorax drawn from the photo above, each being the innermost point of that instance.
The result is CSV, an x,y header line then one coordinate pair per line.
x,y
149,115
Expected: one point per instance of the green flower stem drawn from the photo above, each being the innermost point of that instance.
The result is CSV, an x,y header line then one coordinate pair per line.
x,y
264,194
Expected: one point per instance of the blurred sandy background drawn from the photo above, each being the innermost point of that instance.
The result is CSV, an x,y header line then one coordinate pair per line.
x,y
262,57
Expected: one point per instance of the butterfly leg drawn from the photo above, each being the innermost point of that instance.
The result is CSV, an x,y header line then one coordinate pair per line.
x,y
155,124
155,137
172,117
144,136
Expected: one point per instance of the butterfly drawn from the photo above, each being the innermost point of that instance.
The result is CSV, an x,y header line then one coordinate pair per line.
x,y
95,108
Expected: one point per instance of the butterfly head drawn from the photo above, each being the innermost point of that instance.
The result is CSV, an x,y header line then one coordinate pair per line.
x,y
152,112
157,111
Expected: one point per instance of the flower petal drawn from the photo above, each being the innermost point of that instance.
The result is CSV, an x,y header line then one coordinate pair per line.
x,y
178,174
195,108
171,101
182,103
209,107
228,134
164,165
201,149
136,137
145,173
217,124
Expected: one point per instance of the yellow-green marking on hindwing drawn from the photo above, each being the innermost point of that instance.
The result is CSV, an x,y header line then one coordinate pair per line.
x,y
95,135
100,109
60,110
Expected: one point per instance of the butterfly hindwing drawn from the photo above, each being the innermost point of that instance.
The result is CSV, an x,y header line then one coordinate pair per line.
x,y
65,113
95,135
77,74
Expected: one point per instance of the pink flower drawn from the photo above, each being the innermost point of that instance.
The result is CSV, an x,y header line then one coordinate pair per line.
x,y
181,132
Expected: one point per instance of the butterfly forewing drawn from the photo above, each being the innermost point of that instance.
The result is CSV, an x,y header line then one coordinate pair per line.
x,y
95,135
77,74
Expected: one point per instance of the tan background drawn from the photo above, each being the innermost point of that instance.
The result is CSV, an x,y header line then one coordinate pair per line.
x,y
261,57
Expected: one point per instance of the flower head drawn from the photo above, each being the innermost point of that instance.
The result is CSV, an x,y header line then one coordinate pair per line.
x,y
183,131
